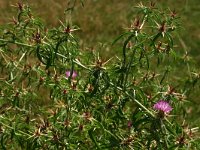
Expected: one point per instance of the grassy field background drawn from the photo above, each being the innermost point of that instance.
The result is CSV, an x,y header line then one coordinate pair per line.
x,y
103,20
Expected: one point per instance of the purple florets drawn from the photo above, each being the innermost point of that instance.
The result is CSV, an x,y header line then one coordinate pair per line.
x,y
162,106
74,74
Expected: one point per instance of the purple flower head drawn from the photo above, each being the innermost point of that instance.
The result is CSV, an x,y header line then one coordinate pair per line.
x,y
162,106
129,124
74,74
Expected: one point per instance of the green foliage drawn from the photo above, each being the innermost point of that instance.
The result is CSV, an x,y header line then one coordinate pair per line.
x,y
109,104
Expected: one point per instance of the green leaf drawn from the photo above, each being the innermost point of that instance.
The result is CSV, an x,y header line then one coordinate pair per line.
x,y
118,38
90,132
39,55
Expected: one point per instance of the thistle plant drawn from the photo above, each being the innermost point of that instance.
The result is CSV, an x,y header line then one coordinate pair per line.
x,y
54,95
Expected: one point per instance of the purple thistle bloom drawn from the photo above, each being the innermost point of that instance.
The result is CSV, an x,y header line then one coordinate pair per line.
x,y
162,106
129,124
74,74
